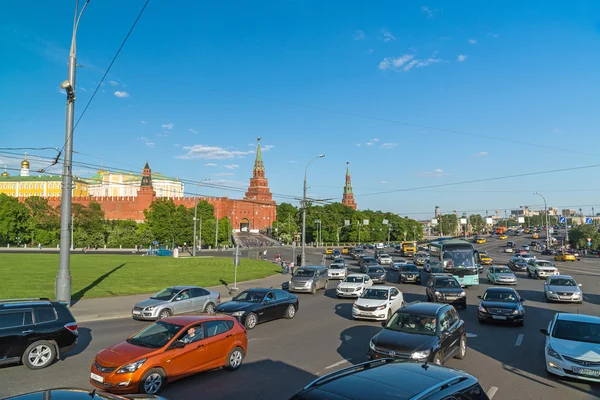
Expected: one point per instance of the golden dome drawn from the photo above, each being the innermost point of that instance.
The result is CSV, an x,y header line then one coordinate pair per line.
x,y
5,174
25,163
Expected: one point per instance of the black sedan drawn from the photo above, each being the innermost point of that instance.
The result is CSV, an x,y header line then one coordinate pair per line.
x,y
409,273
444,288
376,273
501,304
517,264
254,306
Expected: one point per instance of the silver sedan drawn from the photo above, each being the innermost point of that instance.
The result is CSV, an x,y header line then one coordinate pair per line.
x,y
563,288
176,300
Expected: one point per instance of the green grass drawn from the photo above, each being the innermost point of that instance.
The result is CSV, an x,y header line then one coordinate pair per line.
x,y
104,275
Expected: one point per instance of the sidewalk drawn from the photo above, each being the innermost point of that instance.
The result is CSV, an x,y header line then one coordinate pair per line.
x,y
98,309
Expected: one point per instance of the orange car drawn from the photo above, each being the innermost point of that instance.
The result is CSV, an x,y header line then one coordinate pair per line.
x,y
170,349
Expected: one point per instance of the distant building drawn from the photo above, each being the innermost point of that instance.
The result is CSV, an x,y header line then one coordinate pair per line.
x,y
569,213
110,184
46,186
438,213
348,197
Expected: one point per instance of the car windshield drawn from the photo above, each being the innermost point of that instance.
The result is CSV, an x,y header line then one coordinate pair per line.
x,y
353,279
375,294
508,297
383,255
483,254
410,323
369,260
250,296
577,331
503,270
336,266
410,268
165,294
304,272
376,270
461,258
155,335
446,283
545,264
526,256
562,282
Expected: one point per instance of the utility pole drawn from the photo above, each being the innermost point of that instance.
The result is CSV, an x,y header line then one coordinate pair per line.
x,y
200,234
545,212
303,256
72,230
63,278
195,219
217,231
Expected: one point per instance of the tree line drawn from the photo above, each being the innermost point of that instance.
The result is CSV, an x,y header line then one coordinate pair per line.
x,y
34,221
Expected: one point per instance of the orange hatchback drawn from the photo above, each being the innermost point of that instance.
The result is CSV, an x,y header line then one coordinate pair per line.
x,y
170,349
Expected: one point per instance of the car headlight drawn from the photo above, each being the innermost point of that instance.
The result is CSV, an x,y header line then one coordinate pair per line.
x,y
463,294
126,369
237,313
419,355
438,294
380,308
517,312
553,353
482,308
372,345
550,292
354,306
358,289
150,308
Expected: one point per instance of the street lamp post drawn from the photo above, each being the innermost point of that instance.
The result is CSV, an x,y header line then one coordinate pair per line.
x,y
63,278
546,219
303,256
318,222
195,219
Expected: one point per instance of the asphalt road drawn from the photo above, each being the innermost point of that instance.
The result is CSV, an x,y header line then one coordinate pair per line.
x,y
284,355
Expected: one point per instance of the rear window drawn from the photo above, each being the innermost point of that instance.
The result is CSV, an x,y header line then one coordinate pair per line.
x,y
45,314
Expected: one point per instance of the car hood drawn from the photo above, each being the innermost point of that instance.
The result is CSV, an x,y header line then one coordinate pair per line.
x,y
376,274
581,350
486,258
504,275
370,302
499,304
403,342
302,278
546,268
121,354
409,272
568,289
232,306
449,290
350,284
150,302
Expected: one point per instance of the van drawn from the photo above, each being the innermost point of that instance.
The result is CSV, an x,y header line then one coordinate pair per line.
x,y
309,279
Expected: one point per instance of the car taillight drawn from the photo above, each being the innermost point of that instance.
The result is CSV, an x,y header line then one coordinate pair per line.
x,y
219,296
72,327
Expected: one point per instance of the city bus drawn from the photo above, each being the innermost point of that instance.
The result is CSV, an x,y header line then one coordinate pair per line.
x,y
408,249
456,257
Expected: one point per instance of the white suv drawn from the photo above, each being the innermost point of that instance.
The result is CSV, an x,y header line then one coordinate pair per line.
x,y
337,271
378,303
571,349
353,285
540,269
385,259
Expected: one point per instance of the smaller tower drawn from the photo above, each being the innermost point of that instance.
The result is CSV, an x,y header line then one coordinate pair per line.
x,y
146,187
25,166
437,211
5,173
348,198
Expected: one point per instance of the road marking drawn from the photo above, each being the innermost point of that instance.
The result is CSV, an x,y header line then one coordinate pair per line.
x,y
492,392
337,364
471,335
519,340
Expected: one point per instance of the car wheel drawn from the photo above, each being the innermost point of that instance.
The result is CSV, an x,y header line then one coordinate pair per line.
x,y
164,313
313,289
235,359
153,381
290,312
537,275
326,284
462,350
389,315
39,355
251,321
210,308
437,359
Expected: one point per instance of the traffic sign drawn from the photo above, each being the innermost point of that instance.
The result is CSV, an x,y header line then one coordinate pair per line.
x,y
588,220
562,220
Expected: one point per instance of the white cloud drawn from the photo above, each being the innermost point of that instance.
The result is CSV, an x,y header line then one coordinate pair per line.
x,y
556,130
432,174
407,62
389,146
472,41
375,140
293,162
167,126
121,95
429,11
370,51
231,166
428,61
481,154
150,144
113,83
357,144
359,35
387,36
224,174
229,183
143,122
193,130
162,135
82,89
177,145
211,153
61,90
382,182
461,58
267,147
210,165
370,143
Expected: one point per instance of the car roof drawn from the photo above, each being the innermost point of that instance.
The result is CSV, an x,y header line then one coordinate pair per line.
x,y
404,380
424,308
64,394
312,267
191,319
181,287
561,277
382,287
355,275
495,289
578,318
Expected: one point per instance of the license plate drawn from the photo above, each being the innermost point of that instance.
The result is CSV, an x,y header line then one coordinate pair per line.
x,y
97,377
586,371
366,313
500,317
136,313
565,297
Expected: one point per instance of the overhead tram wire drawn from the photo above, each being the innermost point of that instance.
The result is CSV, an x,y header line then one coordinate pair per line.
x,y
357,115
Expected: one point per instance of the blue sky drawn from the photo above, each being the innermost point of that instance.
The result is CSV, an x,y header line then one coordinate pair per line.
x,y
389,86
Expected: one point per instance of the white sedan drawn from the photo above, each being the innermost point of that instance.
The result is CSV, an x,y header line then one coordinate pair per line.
x,y
337,271
353,285
378,303
385,259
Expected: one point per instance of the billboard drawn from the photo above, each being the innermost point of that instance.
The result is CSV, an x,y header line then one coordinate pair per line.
x,y
489,221
521,220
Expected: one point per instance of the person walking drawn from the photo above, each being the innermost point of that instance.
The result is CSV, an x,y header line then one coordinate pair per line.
x,y
283,270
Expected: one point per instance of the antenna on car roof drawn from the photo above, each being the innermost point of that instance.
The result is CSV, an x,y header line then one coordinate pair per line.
x,y
92,394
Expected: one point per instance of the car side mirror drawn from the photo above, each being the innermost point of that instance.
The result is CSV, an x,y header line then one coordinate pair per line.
x,y
178,345
522,300
580,285
178,298
545,332
393,297
383,324
479,297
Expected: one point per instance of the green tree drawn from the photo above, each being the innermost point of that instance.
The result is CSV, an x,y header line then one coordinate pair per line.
x,y
44,224
88,225
122,234
578,236
477,223
14,221
449,224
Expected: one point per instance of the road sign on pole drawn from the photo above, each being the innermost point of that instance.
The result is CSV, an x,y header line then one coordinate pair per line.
x,y
588,220
463,221
346,222
366,222
562,220
385,222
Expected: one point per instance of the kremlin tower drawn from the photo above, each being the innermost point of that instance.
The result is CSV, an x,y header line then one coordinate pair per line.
x,y
348,199
259,185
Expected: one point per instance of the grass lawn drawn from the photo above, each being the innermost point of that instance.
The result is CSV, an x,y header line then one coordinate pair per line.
x,y
103,275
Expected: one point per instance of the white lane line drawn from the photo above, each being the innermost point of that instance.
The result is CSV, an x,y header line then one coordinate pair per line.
x,y
519,340
492,392
471,335
337,364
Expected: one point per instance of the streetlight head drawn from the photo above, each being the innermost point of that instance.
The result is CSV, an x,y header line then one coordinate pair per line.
x,y
321,155
66,85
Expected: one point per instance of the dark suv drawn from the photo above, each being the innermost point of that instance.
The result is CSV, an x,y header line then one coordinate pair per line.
x,y
35,332
388,378
444,288
422,332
